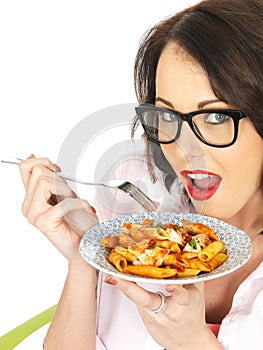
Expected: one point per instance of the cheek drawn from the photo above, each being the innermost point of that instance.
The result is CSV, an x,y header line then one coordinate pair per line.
x,y
244,172
241,172
242,163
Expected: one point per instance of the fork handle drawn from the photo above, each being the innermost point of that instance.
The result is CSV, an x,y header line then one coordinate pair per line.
x,y
66,177
10,161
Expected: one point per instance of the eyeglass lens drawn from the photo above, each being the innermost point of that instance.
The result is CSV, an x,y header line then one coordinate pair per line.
x,y
215,128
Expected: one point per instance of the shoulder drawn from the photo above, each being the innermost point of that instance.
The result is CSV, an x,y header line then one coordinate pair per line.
x,y
242,327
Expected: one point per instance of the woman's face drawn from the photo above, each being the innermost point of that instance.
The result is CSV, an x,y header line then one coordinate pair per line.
x,y
219,181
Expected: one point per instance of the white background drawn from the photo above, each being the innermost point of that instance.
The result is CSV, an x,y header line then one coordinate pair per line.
x,y
59,62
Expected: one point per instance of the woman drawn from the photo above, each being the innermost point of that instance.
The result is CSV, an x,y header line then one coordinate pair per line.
x,y
202,66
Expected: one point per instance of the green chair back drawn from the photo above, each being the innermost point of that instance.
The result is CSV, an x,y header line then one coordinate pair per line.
x,y
11,339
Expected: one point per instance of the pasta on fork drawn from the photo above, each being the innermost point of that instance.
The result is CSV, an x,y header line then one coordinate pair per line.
x,y
165,250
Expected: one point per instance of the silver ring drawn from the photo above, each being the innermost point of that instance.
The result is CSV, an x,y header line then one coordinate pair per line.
x,y
162,306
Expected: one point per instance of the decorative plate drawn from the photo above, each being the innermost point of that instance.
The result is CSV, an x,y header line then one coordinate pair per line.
x,y
238,245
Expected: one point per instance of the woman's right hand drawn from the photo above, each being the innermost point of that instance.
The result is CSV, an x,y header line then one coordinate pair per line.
x,y
52,207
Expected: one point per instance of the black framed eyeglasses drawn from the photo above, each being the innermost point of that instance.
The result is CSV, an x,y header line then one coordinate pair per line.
x,y
214,127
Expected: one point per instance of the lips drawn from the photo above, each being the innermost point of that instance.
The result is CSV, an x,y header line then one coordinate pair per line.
x,y
201,184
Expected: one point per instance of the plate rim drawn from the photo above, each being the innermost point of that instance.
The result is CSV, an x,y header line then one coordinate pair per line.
x,y
153,215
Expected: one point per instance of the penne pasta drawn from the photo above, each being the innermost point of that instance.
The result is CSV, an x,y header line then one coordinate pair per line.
x,y
176,261
217,260
125,253
211,250
188,273
117,260
165,251
197,264
187,255
150,271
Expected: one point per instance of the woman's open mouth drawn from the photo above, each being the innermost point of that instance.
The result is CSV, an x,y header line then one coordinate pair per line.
x,y
201,184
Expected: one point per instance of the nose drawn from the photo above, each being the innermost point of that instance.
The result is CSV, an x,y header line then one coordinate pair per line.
x,y
190,146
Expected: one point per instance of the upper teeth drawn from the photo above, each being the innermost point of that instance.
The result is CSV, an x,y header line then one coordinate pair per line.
x,y
198,176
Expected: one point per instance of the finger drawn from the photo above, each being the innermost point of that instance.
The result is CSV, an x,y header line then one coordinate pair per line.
x,y
88,207
42,186
141,297
28,164
183,294
81,219
49,221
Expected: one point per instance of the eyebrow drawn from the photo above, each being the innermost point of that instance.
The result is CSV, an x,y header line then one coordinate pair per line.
x,y
200,104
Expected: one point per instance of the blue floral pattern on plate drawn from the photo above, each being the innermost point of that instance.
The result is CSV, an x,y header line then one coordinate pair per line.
x,y
238,245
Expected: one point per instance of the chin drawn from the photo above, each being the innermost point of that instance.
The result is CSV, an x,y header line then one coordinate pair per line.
x,y
216,209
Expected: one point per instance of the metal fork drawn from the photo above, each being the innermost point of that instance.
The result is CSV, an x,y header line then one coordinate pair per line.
x,y
127,187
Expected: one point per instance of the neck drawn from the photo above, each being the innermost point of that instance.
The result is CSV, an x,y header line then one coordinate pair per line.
x,y
250,217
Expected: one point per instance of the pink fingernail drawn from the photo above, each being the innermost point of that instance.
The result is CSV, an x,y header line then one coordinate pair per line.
x,y
93,209
110,280
57,168
171,289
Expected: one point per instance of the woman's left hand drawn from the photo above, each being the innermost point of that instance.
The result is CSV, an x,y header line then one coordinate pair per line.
x,y
181,325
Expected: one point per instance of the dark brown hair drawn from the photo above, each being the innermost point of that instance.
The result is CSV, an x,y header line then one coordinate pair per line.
x,y
226,38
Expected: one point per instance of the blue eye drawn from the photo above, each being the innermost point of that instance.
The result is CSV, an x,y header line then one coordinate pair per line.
x,y
168,117
216,118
